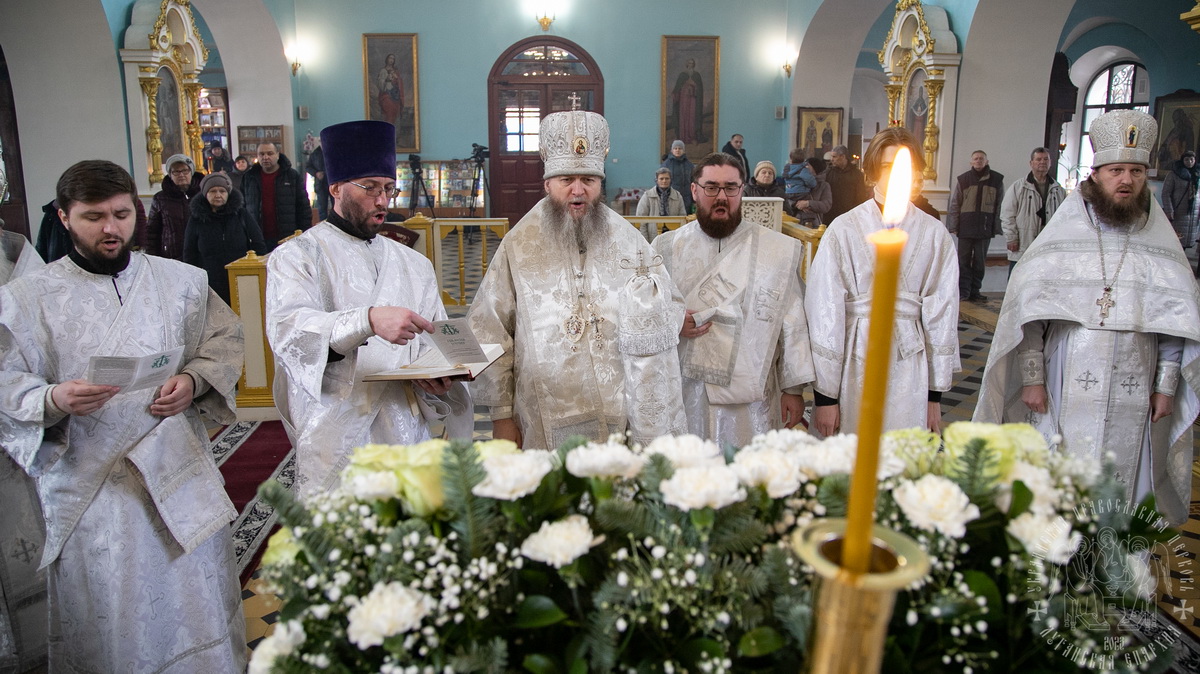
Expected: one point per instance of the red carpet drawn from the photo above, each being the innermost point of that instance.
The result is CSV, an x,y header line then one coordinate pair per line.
x,y
254,461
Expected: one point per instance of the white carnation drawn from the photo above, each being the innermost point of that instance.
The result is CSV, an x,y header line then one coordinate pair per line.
x,y
1046,536
511,476
685,451
374,485
608,460
831,456
560,543
388,610
286,638
934,503
1038,480
786,439
705,486
774,469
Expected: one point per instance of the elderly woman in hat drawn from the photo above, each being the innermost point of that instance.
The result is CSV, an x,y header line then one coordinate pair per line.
x,y
163,235
220,231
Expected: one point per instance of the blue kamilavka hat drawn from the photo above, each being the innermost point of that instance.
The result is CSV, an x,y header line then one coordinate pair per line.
x,y
359,149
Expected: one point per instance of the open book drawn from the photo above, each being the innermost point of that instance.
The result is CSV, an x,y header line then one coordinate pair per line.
x,y
433,365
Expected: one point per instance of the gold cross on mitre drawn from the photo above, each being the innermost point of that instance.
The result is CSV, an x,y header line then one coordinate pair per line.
x,y
574,98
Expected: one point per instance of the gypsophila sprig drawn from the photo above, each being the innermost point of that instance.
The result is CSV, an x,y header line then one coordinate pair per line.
x,y
448,557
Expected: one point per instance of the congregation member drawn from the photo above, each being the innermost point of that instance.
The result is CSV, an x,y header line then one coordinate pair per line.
x,y
736,146
1179,200
762,183
138,552
838,305
315,167
1028,205
219,232
589,320
681,172
799,179
975,218
812,211
343,303
167,220
744,353
241,164
276,196
846,183
662,199
218,159
1099,336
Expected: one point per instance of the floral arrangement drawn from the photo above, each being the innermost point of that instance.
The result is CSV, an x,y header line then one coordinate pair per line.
x,y
677,556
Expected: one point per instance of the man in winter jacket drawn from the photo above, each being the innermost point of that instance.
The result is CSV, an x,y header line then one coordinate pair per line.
x,y
1028,205
276,196
681,173
163,234
846,183
974,217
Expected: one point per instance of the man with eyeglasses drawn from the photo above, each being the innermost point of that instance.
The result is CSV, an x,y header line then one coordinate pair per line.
x,y
744,351
169,209
343,303
276,195
588,319
838,301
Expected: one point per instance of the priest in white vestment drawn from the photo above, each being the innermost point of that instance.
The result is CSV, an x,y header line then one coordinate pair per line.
x,y
137,549
22,583
344,303
838,303
1099,337
744,350
588,318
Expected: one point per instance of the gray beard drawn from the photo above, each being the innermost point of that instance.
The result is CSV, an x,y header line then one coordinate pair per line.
x,y
568,235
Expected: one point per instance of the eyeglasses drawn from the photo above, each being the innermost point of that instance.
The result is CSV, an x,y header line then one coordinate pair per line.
x,y
376,191
711,189
181,172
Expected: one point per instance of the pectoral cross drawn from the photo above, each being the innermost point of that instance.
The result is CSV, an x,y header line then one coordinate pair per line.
x,y
1105,303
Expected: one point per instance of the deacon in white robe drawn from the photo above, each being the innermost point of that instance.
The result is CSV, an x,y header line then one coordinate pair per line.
x,y
137,547
23,612
1099,337
588,319
343,303
744,354
838,303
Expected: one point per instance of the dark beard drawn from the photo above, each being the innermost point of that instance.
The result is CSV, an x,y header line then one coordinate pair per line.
x,y
357,220
568,234
718,229
98,264
1111,212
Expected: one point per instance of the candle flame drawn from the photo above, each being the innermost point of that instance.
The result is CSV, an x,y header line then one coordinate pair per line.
x,y
899,188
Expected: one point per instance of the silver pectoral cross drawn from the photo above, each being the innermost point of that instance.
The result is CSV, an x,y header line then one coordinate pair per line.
x,y
1105,303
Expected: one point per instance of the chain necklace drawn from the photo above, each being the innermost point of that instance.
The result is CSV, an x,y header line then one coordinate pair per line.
x,y
575,325
1106,300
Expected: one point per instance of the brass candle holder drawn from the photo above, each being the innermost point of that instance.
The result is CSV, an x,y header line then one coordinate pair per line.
x,y
853,610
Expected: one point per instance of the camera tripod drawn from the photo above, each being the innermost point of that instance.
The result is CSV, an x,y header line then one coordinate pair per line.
x,y
418,188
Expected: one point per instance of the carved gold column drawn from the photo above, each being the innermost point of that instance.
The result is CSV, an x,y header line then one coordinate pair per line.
x,y
1192,17
191,92
893,94
934,88
153,132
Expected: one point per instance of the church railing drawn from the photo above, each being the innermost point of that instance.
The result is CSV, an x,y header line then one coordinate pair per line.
x,y
653,225
809,237
456,238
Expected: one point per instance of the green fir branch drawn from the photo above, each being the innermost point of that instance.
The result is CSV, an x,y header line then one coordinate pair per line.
x,y
316,542
737,530
476,520
976,471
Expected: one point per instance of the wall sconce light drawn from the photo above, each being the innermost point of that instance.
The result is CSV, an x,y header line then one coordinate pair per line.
x,y
787,55
545,20
293,56
787,68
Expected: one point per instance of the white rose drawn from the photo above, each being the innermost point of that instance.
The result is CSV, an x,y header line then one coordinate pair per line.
x,y
1046,536
608,460
388,610
560,543
707,486
773,469
374,485
286,638
934,503
686,450
511,476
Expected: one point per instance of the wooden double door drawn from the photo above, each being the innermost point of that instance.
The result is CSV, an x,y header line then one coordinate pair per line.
x,y
533,78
